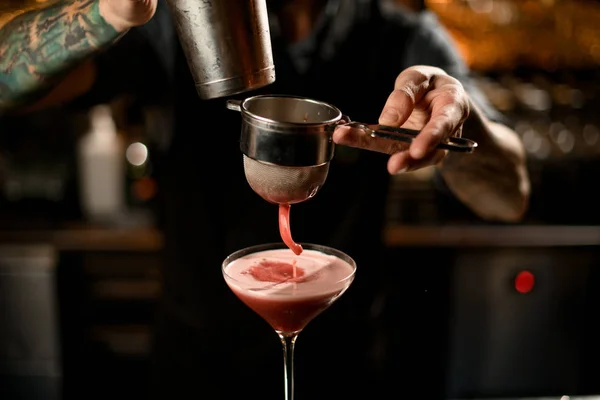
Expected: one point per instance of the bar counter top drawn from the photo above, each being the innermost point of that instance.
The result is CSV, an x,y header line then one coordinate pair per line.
x,y
149,239
492,235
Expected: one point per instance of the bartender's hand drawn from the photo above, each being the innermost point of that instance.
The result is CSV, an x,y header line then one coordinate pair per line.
x,y
126,14
424,98
493,181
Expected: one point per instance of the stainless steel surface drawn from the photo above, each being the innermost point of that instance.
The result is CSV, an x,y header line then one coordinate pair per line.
x,y
287,185
287,144
287,131
227,44
405,135
297,132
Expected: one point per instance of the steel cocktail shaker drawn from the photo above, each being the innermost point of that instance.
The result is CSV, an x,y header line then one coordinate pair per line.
x,y
227,44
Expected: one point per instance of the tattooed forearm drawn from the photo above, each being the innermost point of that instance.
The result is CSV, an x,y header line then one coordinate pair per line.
x,y
37,48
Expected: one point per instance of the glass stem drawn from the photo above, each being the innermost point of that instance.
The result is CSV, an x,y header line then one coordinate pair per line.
x,y
288,340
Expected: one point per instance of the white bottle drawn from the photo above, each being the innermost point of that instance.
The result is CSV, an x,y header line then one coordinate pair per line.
x,y
101,159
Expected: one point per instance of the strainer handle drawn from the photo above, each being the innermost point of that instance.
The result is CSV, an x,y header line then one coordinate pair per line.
x,y
407,136
234,105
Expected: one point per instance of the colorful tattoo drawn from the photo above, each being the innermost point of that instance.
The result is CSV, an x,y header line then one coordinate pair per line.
x,y
39,47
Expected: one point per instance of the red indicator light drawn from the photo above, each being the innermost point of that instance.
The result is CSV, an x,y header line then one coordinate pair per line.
x,y
524,282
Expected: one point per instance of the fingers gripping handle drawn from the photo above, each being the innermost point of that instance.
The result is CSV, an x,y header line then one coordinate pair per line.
x,y
456,144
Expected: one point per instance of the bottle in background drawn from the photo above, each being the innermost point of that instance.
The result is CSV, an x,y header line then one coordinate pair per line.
x,y
101,160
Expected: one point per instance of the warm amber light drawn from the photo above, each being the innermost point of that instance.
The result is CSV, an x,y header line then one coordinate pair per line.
x,y
502,34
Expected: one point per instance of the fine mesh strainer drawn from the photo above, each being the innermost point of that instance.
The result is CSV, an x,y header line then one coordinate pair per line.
x,y
284,185
287,143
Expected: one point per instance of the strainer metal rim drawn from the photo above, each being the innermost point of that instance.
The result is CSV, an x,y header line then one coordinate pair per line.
x,y
285,166
295,124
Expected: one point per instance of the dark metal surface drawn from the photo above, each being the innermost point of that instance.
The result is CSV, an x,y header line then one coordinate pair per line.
x,y
407,135
227,44
286,130
457,144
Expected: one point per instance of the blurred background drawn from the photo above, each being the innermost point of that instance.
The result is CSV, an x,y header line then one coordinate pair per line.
x,y
519,303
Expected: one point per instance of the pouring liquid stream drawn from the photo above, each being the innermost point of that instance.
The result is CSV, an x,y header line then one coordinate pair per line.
x,y
284,225
286,233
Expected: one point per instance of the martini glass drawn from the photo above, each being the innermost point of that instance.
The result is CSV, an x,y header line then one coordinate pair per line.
x,y
287,290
